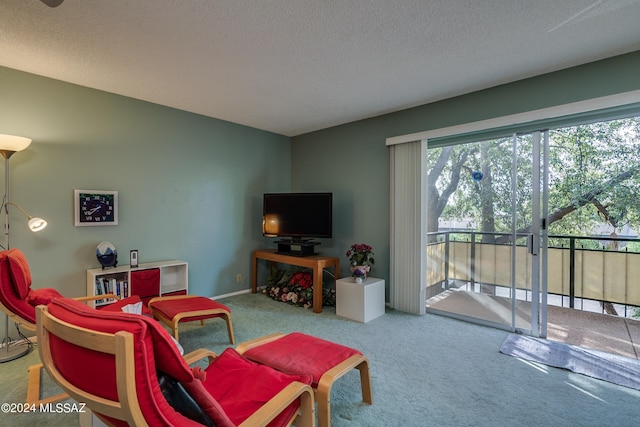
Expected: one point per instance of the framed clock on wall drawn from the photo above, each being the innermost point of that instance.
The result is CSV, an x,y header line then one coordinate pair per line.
x,y
95,207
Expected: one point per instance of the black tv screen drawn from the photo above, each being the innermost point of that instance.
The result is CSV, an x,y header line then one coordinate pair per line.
x,y
297,215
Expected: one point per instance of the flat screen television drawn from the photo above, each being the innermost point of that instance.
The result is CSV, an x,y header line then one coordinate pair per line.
x,y
298,216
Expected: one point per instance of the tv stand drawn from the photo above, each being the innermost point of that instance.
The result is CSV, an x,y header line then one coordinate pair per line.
x,y
316,263
293,247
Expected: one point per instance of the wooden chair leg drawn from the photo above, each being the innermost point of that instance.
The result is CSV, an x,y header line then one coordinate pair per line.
x,y
174,327
323,392
324,407
232,338
306,416
33,388
365,382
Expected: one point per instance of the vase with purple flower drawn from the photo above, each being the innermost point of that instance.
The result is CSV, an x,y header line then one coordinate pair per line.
x,y
360,257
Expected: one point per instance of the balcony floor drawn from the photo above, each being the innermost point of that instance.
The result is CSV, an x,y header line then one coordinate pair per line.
x,y
613,334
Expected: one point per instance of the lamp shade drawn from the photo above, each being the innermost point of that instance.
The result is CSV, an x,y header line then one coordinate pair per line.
x,y
37,224
13,143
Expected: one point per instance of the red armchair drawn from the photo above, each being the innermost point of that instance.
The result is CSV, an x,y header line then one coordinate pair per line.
x,y
113,361
19,302
17,299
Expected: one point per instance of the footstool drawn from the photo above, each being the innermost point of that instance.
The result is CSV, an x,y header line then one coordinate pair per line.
x,y
324,360
171,310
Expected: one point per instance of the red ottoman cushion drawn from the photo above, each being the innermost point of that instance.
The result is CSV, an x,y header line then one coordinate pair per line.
x,y
301,353
172,307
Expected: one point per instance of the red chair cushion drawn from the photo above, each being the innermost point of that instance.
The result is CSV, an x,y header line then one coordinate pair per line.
x,y
231,379
9,294
95,372
20,272
301,353
42,296
207,403
172,307
166,354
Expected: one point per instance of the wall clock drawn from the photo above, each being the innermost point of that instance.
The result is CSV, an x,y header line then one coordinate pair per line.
x,y
95,207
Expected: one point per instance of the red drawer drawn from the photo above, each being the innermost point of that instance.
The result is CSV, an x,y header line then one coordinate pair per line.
x,y
145,283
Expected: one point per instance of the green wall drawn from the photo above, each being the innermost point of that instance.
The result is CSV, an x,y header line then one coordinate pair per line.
x,y
352,160
190,187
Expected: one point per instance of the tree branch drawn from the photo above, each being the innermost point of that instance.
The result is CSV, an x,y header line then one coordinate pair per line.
x,y
583,200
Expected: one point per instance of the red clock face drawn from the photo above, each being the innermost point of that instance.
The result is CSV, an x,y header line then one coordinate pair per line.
x,y
97,208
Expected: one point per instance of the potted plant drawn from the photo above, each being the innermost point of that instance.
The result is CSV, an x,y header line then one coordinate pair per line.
x,y
360,256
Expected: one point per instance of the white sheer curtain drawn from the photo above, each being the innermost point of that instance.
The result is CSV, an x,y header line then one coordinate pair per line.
x,y
408,222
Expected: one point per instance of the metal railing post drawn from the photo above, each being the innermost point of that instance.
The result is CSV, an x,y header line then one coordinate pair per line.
x,y
472,267
572,272
446,260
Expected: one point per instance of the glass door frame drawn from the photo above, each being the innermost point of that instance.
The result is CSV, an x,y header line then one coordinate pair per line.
x,y
534,309
537,240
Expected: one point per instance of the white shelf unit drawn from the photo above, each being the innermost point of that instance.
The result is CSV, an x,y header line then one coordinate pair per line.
x,y
173,279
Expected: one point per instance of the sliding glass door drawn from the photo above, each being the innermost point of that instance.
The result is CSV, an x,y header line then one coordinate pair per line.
x,y
486,245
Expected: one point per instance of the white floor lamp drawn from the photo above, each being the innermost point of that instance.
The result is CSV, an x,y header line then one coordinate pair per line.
x,y
10,144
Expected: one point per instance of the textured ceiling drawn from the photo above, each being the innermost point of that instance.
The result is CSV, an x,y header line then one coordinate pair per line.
x,y
294,66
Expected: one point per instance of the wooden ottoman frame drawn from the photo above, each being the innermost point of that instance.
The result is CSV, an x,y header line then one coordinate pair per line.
x,y
184,316
325,382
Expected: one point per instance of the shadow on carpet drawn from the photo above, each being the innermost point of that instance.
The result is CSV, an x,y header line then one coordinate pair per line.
x,y
613,368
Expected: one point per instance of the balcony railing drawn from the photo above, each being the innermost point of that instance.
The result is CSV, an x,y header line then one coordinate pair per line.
x,y
574,272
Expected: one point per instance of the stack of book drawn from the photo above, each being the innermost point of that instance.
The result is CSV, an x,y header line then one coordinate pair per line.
x,y
111,285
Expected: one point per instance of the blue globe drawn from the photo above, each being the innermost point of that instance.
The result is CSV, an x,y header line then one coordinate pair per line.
x,y
107,255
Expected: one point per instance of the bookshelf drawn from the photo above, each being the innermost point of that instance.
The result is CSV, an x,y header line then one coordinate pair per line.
x,y
148,280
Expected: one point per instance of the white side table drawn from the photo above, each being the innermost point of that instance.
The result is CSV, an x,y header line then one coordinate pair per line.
x,y
360,301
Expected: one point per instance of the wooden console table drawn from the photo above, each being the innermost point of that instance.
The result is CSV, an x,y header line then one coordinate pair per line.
x,y
315,262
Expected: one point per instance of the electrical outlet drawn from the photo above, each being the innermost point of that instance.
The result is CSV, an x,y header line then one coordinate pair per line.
x,y
239,278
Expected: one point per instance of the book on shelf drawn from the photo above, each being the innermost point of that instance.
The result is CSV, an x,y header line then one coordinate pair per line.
x,y
112,286
106,285
99,291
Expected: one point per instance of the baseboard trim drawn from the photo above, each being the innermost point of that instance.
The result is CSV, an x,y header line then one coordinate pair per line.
x,y
231,294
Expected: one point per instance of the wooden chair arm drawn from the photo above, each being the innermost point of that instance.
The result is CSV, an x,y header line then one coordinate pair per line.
x,y
96,297
167,297
199,354
280,401
257,342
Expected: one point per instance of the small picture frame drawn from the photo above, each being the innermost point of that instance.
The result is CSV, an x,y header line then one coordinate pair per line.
x,y
95,208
